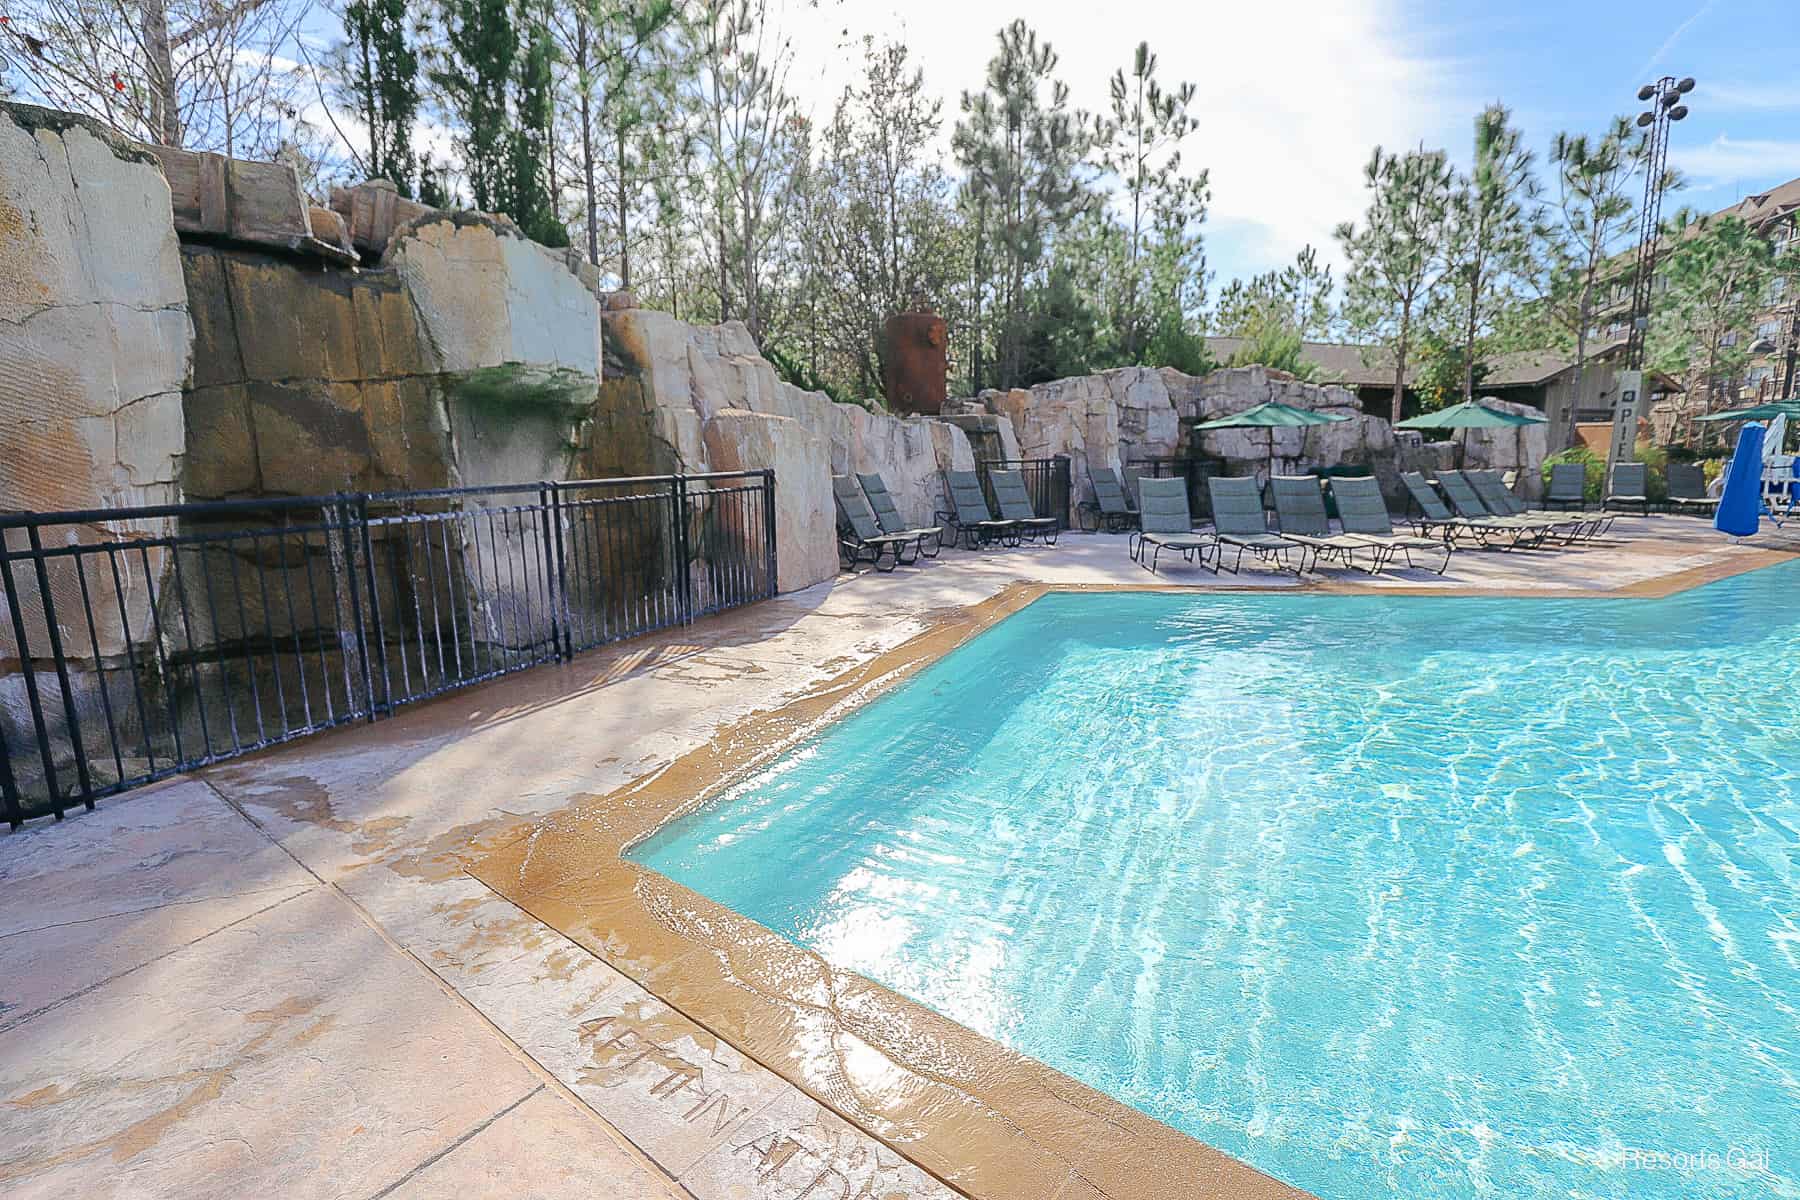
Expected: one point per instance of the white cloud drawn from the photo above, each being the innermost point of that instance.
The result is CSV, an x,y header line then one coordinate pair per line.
x,y
1728,160
1681,30
1292,96
1753,97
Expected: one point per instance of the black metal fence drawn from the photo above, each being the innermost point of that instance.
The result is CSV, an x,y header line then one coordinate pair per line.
x,y
1047,482
1196,470
146,641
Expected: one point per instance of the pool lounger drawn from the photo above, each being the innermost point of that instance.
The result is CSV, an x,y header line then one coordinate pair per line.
x,y
1015,506
969,518
1492,491
1630,485
1166,524
1110,509
1568,485
1534,531
1687,490
860,539
1239,522
1363,511
1487,533
887,515
1300,506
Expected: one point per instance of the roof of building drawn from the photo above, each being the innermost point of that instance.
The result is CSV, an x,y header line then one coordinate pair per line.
x,y
1338,362
1768,206
1354,365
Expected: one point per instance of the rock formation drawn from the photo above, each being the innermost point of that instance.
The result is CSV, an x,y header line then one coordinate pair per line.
x,y
698,398
94,333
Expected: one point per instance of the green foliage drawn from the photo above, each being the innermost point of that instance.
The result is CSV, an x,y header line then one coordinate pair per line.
x,y
1277,346
1059,333
1492,219
1022,146
1594,478
1591,217
877,230
793,371
619,83
480,44
380,72
1141,146
1717,274
1656,458
1396,256
526,196
1297,298
1174,344
1443,370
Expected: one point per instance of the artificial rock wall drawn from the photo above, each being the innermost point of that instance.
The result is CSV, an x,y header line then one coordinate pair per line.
x,y
94,333
700,398
1115,417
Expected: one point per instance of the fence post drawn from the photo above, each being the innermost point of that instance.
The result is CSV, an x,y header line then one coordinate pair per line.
x,y
380,656
345,578
558,567
768,503
14,811
1064,485
9,787
684,581
62,671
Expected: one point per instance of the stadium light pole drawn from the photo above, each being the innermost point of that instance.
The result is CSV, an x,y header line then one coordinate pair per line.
x,y
1665,106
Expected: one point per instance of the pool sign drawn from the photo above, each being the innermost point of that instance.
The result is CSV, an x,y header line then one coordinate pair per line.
x,y
1625,419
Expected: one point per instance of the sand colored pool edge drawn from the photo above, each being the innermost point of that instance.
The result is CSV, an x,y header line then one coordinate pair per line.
x,y
983,1119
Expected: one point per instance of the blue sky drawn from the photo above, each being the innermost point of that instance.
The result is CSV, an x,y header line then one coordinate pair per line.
x,y
1295,92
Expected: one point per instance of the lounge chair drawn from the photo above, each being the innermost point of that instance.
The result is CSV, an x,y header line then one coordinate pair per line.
x,y
1630,485
969,518
1363,511
1167,525
1687,490
1491,489
1300,506
1568,485
1435,514
1015,506
1239,522
859,536
1530,532
1110,509
887,515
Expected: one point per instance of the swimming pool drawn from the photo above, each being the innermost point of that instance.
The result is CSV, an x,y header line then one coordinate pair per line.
x,y
1384,895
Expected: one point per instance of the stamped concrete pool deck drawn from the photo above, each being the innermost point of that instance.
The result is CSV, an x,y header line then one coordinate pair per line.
x,y
282,976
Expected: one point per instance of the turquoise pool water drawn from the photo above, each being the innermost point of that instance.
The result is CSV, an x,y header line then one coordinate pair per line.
x,y
1388,897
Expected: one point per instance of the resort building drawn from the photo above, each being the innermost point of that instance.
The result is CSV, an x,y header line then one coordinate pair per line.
x,y
1547,380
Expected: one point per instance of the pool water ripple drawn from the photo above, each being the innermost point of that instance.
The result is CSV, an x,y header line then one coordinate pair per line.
x,y
1436,898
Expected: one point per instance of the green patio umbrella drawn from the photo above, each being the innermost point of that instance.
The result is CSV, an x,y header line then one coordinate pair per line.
x,y
1766,411
1470,414
1271,416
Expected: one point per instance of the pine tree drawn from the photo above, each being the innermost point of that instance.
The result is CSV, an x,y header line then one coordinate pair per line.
x,y
1493,214
528,195
1591,217
751,143
381,71
1142,147
1396,258
1023,147
1719,271
474,77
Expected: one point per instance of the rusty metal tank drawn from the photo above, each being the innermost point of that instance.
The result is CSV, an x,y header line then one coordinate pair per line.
x,y
916,361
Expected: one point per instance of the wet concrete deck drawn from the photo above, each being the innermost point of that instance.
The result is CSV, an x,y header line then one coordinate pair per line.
x,y
281,978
